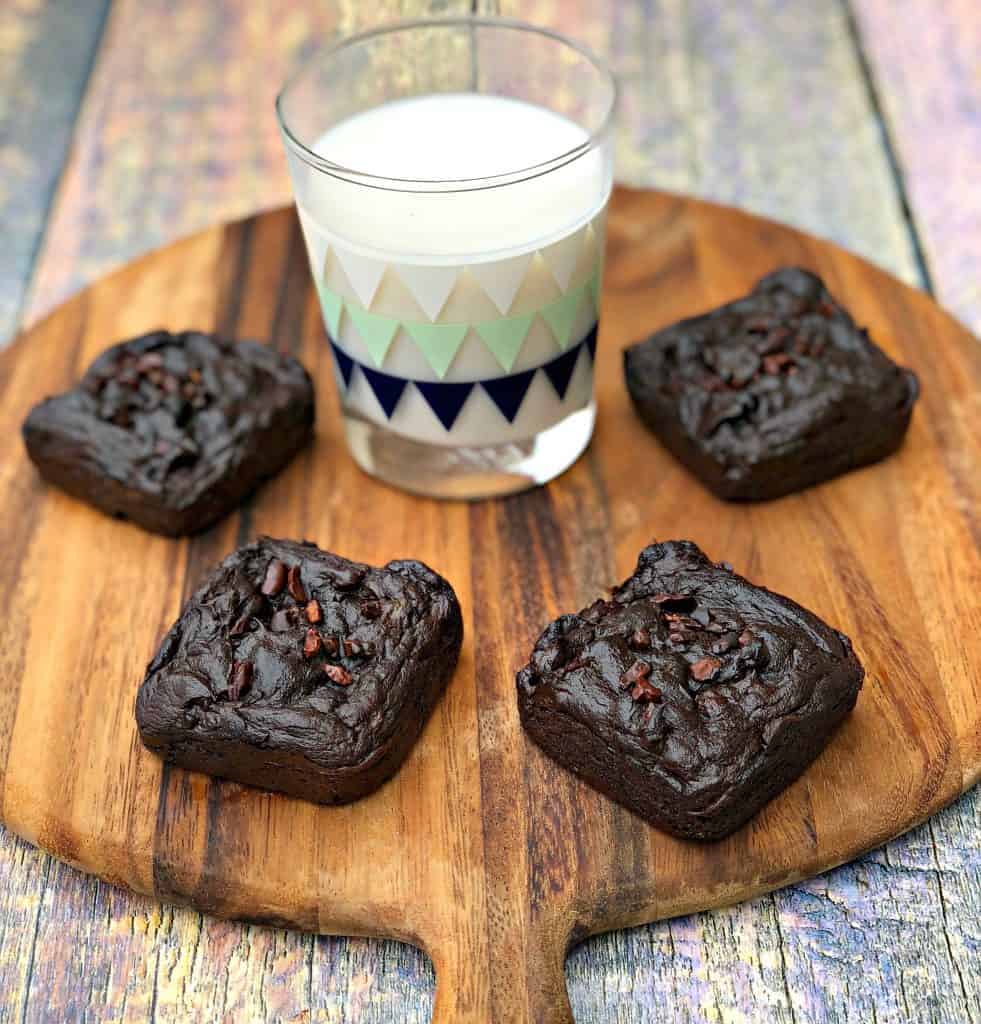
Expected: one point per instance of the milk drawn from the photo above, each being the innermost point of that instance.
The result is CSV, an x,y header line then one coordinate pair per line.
x,y
427,291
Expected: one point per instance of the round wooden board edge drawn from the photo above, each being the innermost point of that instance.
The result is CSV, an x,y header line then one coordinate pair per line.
x,y
643,910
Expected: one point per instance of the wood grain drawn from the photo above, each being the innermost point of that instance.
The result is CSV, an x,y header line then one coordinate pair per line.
x,y
481,850
759,104
46,52
924,61
892,934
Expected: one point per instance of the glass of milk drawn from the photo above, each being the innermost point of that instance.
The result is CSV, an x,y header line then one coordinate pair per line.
x,y
451,178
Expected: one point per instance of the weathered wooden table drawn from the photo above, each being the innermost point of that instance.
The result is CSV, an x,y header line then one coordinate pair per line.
x,y
125,125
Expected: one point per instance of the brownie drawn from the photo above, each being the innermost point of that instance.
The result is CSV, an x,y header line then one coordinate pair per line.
x,y
772,393
172,431
295,670
692,696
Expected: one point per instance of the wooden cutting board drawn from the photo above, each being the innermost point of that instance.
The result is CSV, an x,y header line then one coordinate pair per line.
x,y
480,850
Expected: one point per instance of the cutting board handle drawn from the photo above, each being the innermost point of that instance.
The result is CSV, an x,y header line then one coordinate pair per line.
x,y
502,986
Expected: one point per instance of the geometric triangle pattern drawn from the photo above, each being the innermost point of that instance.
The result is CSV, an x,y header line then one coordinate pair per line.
x,y
507,393
388,389
561,315
596,284
440,342
376,332
430,286
447,398
331,306
505,337
501,279
344,363
561,258
525,307
364,273
559,371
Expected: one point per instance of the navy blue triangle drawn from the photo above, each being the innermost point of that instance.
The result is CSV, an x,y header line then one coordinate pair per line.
x,y
445,398
388,389
560,370
509,392
591,340
344,363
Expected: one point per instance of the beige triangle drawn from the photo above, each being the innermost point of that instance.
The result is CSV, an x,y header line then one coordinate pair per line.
x,y
394,299
588,257
562,256
364,274
468,303
336,279
537,290
316,244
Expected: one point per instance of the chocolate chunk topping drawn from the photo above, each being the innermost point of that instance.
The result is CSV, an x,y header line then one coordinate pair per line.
x,y
644,691
311,643
275,578
312,725
371,609
241,679
640,640
253,608
705,669
295,584
770,393
338,675
347,578
638,670
681,732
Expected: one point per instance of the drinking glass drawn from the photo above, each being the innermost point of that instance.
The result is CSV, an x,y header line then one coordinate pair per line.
x,y
451,177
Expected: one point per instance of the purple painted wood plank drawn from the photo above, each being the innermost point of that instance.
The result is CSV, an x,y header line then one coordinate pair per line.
x,y
925,59
46,51
760,102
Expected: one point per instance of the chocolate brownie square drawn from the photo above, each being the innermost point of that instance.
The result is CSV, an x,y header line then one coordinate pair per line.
x,y
293,669
772,393
173,431
692,696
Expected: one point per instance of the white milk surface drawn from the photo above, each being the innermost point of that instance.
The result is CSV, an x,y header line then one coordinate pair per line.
x,y
439,234
454,136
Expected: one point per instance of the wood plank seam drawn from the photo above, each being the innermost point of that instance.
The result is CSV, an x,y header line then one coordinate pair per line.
x,y
55,187
918,714
889,147
701,927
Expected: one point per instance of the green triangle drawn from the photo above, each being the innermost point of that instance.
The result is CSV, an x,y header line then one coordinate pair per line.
x,y
561,315
331,303
439,342
505,337
596,285
376,331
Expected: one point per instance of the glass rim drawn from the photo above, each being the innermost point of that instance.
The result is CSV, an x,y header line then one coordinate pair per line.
x,y
369,180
